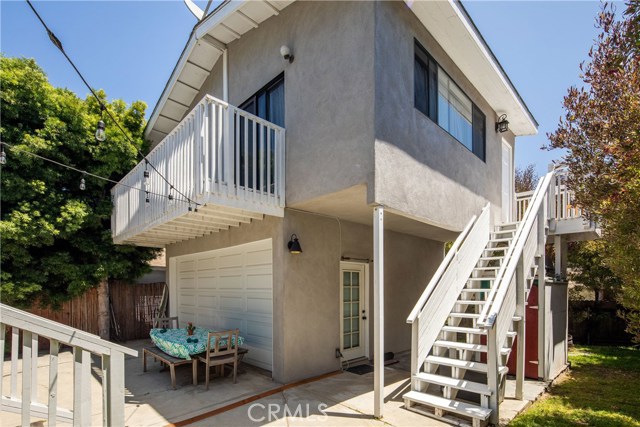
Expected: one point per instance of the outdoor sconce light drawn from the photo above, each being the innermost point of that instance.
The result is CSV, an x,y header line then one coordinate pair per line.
x,y
294,245
502,125
286,53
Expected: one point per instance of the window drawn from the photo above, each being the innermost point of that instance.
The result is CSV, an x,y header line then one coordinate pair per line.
x,y
268,104
440,99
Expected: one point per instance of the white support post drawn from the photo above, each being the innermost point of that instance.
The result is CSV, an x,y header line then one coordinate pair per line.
x,y
492,374
113,391
81,384
378,311
3,331
53,383
520,311
541,273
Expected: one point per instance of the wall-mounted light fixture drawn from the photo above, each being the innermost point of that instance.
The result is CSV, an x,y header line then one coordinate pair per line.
x,y
294,245
286,53
502,125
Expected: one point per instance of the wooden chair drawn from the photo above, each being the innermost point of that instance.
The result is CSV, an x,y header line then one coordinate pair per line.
x,y
216,355
166,322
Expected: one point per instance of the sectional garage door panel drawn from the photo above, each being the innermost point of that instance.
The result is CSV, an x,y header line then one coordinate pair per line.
x,y
231,288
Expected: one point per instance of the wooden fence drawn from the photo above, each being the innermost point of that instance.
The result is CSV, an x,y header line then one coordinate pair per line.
x,y
134,307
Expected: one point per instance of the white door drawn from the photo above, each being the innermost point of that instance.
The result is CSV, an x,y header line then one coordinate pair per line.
x,y
354,331
507,181
230,288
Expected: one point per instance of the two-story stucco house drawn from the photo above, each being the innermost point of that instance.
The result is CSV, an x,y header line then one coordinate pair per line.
x,y
368,131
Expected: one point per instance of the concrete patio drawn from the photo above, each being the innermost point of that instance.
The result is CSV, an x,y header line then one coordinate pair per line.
x,y
339,399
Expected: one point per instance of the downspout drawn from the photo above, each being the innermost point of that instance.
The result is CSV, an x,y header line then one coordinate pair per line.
x,y
225,75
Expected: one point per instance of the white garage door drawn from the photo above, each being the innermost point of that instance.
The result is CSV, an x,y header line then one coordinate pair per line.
x,y
231,288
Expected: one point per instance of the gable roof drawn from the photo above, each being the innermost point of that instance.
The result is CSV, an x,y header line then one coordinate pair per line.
x,y
447,21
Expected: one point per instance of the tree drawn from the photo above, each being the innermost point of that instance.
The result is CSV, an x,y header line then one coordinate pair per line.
x,y
526,179
590,270
56,238
601,132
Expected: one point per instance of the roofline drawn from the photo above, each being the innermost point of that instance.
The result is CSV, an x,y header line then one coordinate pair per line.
x,y
208,21
497,62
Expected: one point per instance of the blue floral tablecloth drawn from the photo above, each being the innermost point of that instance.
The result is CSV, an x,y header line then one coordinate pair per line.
x,y
177,343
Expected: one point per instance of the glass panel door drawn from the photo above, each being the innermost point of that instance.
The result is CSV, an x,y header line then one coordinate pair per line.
x,y
353,313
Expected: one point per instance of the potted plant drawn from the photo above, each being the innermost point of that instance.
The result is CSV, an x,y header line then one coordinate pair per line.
x,y
190,328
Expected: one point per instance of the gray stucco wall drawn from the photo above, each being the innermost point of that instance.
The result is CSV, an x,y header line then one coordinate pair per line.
x,y
419,168
328,90
312,288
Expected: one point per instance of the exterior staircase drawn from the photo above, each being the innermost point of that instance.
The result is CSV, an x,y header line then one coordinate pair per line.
x,y
454,376
465,324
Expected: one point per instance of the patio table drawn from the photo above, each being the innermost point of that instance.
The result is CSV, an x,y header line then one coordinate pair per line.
x,y
177,343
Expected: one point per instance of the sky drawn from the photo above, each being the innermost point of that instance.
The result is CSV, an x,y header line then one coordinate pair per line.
x,y
129,49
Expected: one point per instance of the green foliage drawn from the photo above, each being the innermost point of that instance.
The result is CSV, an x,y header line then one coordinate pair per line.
x,y
598,391
56,239
600,131
589,269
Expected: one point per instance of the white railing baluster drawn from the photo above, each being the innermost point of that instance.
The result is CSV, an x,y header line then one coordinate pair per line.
x,y
26,377
52,398
3,331
34,367
15,340
81,387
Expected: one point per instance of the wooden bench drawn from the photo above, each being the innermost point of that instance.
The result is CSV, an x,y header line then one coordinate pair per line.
x,y
170,361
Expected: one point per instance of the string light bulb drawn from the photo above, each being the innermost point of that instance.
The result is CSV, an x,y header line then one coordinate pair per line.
x,y
83,185
101,135
170,196
3,157
147,200
146,178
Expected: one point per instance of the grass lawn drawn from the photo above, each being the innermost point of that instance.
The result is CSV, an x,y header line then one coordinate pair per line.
x,y
601,389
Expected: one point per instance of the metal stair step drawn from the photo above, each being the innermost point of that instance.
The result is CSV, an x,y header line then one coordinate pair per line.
x,y
464,330
480,279
486,268
458,383
467,346
461,345
501,240
464,315
476,290
469,365
449,405
491,258
470,302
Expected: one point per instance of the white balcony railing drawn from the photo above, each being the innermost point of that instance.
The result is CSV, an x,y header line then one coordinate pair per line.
x,y
24,399
561,207
223,158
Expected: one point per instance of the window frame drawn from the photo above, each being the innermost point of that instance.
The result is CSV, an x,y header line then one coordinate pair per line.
x,y
478,118
279,79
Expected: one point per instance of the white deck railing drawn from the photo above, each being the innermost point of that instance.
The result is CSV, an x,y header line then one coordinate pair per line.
x,y
434,305
26,328
561,207
217,155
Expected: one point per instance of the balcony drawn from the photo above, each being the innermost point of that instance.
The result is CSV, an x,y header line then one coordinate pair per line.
x,y
227,161
565,216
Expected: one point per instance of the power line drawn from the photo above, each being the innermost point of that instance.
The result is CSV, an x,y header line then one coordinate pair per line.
x,y
57,43
84,172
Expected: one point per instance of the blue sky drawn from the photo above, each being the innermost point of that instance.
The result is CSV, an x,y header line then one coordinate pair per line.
x,y
129,48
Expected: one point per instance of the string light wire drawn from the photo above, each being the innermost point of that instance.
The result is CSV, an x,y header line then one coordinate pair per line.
x,y
58,44
21,150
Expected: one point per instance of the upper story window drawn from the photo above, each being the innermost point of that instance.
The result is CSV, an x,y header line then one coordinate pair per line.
x,y
268,102
440,98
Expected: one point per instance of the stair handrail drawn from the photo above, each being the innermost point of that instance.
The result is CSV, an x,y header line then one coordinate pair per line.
x,y
451,254
507,269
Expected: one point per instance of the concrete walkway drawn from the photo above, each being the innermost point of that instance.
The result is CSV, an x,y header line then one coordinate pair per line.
x,y
343,399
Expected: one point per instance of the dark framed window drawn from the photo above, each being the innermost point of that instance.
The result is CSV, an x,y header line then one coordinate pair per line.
x,y
438,97
268,102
